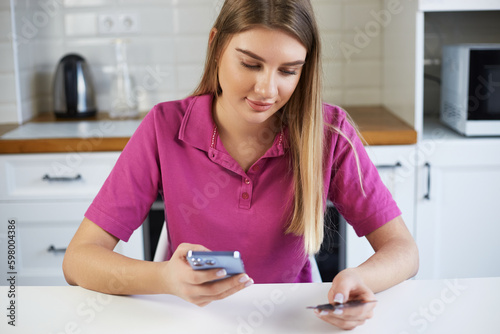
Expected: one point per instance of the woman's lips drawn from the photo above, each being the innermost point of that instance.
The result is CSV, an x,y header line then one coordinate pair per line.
x,y
259,106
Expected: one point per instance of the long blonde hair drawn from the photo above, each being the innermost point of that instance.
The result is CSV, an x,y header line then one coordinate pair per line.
x,y
303,114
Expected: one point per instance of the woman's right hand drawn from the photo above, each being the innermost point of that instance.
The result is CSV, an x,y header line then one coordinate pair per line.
x,y
198,286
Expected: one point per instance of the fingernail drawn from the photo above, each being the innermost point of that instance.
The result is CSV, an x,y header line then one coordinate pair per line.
x,y
244,278
339,298
221,273
338,311
247,284
323,312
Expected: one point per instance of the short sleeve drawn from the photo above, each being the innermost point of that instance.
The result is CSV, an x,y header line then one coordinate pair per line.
x,y
124,200
364,211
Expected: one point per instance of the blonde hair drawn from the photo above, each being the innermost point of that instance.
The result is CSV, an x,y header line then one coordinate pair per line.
x,y
303,114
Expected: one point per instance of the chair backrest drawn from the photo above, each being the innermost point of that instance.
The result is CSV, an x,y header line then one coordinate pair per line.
x,y
161,248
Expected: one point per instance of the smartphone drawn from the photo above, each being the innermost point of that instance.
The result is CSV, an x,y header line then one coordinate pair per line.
x,y
231,261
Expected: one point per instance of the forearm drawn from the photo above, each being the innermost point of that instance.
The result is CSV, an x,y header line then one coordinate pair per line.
x,y
394,262
96,268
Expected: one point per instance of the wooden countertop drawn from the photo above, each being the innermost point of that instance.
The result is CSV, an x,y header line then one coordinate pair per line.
x,y
376,124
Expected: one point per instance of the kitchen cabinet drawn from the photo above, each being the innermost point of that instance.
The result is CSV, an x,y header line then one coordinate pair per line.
x,y
396,166
47,195
458,219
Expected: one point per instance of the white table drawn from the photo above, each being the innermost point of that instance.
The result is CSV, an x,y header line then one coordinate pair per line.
x,y
442,306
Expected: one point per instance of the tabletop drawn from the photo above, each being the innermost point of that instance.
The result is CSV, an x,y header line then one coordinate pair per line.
x,y
414,306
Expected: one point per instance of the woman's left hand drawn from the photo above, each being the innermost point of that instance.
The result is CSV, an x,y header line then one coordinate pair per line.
x,y
348,285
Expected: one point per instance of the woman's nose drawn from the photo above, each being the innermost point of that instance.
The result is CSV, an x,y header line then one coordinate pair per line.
x,y
266,86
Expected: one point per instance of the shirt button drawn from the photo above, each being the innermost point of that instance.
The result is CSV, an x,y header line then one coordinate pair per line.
x,y
245,196
247,181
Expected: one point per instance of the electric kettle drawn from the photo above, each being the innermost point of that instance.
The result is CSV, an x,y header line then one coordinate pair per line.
x,y
73,89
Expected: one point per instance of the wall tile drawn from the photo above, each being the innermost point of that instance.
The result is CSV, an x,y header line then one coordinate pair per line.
x,y
363,74
41,21
7,88
47,53
330,43
191,49
7,58
203,15
328,15
333,76
89,3
333,96
151,50
8,113
359,15
356,46
80,24
173,40
156,20
4,5
188,77
5,26
362,97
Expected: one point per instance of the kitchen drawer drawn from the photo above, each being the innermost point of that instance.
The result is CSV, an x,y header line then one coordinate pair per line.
x,y
54,176
43,231
42,248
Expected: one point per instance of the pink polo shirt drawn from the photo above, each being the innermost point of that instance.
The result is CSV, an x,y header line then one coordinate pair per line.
x,y
210,200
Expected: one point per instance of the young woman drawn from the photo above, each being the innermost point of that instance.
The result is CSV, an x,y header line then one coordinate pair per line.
x,y
246,163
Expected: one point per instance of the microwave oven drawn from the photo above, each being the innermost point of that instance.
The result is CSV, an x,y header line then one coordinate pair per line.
x,y
470,89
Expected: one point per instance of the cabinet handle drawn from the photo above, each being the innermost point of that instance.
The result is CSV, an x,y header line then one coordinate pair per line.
x,y
427,196
396,165
49,178
53,249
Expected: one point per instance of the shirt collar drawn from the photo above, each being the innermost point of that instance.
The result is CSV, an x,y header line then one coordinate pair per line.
x,y
197,124
197,127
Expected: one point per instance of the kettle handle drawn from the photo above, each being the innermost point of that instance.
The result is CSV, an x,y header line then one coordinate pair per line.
x,y
70,86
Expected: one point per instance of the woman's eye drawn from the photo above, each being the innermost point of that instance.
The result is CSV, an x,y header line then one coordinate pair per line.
x,y
252,67
289,72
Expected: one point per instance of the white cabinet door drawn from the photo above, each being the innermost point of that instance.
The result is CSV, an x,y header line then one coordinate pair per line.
x,y
458,209
396,166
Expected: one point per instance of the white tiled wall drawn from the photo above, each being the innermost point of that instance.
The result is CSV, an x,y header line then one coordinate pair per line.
x,y
166,56
8,106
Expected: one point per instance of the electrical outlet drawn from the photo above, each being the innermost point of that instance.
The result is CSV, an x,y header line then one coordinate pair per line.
x,y
120,23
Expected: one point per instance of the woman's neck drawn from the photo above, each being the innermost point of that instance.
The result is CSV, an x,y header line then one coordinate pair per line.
x,y
245,142
237,129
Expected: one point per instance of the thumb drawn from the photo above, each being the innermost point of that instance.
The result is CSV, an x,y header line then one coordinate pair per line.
x,y
340,291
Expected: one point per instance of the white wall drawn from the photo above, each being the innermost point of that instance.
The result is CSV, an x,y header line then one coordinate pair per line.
x,y
167,55
8,106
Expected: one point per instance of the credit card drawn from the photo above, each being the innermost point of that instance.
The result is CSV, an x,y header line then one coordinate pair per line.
x,y
335,306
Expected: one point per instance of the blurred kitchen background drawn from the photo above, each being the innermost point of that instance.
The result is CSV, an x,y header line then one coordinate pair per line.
x,y
166,49
388,66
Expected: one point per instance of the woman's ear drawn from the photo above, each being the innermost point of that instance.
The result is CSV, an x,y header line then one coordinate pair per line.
x,y
211,37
